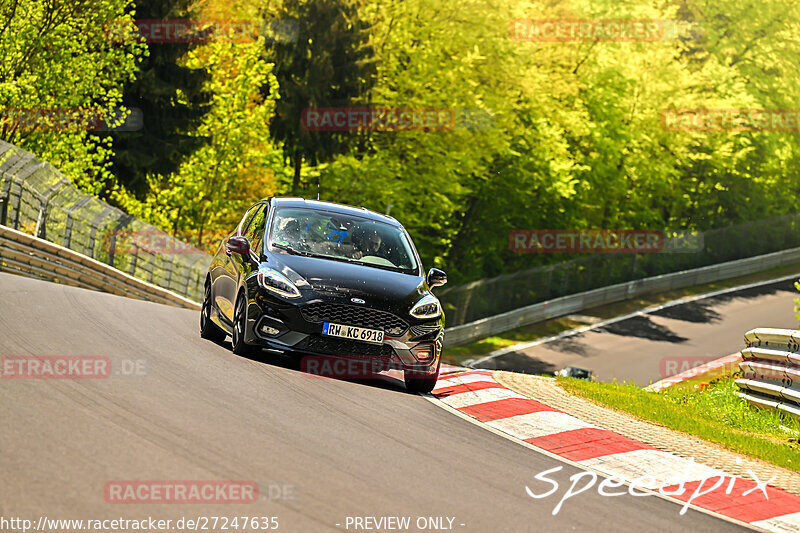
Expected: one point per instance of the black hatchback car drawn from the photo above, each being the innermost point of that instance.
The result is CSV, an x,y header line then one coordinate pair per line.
x,y
324,280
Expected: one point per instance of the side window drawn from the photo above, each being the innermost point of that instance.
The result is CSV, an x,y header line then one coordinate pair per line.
x,y
255,233
247,218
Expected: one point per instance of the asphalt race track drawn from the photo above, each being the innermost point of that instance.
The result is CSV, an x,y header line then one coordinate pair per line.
x,y
320,449
657,345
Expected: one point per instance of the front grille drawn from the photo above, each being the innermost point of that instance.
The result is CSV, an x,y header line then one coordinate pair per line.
x,y
419,331
343,347
355,316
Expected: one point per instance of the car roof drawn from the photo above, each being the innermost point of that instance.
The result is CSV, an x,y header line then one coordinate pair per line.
x,y
284,201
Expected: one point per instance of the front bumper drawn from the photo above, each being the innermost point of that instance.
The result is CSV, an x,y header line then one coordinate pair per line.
x,y
290,327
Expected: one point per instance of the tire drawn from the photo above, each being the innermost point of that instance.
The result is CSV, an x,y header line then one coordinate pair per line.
x,y
421,385
238,344
209,330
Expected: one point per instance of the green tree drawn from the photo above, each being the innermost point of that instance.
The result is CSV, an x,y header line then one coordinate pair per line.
x,y
330,64
235,167
56,54
172,100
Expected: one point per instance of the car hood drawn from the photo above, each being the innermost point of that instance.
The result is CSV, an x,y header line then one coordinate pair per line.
x,y
338,278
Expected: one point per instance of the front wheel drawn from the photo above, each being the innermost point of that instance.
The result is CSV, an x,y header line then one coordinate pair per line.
x,y
422,384
239,346
209,330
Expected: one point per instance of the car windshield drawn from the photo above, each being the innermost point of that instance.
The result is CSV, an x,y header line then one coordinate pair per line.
x,y
319,233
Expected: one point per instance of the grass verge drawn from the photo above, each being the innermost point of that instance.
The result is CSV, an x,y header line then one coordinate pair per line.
x,y
715,414
457,354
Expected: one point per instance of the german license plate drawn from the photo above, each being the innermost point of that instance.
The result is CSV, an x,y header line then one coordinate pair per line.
x,y
372,336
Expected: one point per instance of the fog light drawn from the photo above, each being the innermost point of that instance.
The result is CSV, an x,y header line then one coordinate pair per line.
x,y
423,355
269,330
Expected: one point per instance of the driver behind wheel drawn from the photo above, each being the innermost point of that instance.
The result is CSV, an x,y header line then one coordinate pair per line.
x,y
366,242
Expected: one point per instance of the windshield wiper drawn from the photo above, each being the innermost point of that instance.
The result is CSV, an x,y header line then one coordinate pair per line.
x,y
288,248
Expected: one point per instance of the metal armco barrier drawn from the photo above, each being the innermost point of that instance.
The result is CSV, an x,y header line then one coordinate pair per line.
x,y
37,200
771,369
33,257
574,303
83,234
686,251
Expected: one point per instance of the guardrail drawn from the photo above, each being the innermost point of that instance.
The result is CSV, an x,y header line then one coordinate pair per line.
x,y
36,199
771,369
45,207
623,291
24,254
683,251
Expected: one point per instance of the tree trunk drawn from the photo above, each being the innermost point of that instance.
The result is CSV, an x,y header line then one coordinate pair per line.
x,y
298,162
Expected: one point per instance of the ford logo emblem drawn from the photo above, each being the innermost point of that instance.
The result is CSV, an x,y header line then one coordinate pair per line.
x,y
357,301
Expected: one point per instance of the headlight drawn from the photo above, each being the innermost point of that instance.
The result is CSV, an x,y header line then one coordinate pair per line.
x,y
274,281
426,307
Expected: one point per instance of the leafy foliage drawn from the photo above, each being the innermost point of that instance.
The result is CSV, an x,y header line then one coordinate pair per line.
x,y
329,64
55,55
172,99
223,177
547,134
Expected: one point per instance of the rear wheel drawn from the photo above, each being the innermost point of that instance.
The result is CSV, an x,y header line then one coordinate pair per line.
x,y
240,347
209,330
415,382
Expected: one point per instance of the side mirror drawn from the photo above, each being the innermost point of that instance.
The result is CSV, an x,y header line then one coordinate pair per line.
x,y
436,277
238,245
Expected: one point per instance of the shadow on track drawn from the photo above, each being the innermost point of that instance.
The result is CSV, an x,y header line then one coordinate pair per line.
x,y
519,362
286,361
700,312
642,327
